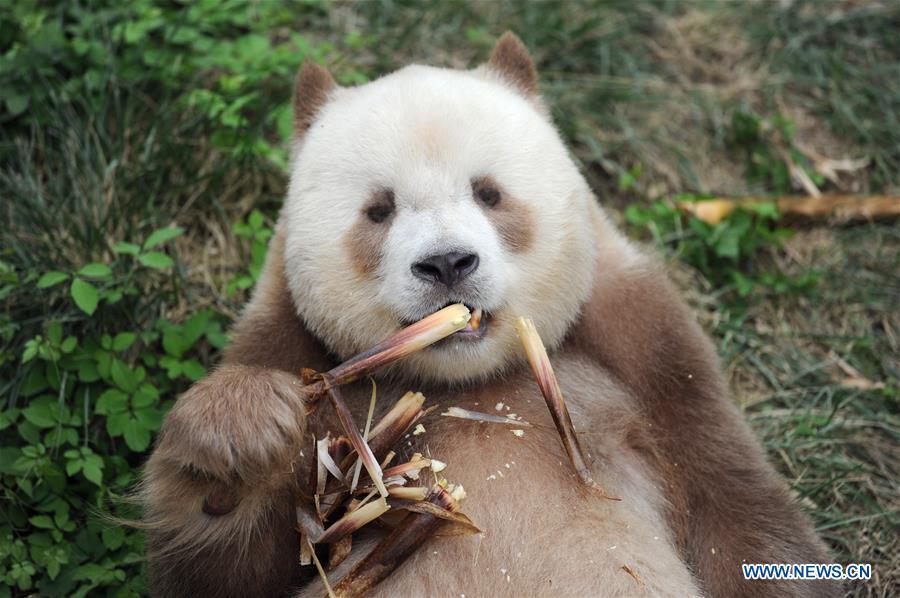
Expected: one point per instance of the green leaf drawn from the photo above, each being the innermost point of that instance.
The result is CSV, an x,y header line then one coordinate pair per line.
x,y
193,370
73,467
54,332
122,341
42,412
87,371
161,236
68,345
123,376
93,472
728,244
156,259
16,103
113,537
50,279
85,295
195,326
255,220
136,436
115,423
95,270
42,521
111,401
8,456
173,341
127,248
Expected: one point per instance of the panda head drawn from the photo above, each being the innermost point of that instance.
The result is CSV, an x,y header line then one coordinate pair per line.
x,y
432,186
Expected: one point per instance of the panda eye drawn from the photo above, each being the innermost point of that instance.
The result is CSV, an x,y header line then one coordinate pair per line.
x,y
383,207
379,213
486,192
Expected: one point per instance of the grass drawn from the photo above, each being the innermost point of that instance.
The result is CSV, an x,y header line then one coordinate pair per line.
x,y
817,375
644,93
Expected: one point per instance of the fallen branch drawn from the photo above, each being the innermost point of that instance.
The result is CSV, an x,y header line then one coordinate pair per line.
x,y
842,208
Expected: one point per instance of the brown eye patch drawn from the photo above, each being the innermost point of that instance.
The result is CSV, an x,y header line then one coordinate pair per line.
x,y
486,192
363,241
510,216
381,207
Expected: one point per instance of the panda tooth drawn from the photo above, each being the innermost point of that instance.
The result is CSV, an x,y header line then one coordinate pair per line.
x,y
475,320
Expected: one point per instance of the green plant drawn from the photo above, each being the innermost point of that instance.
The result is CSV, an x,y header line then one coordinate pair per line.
x,y
769,153
723,251
88,394
254,231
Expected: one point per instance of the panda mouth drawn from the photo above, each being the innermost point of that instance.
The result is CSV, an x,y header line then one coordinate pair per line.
x,y
476,328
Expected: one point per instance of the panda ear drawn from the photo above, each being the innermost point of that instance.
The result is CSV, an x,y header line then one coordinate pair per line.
x,y
512,62
312,88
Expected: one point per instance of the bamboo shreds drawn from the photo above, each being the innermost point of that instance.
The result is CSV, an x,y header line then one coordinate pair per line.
x,y
414,337
456,524
482,417
387,459
401,414
325,459
365,437
321,571
409,469
362,448
335,457
633,574
355,504
396,428
394,549
408,493
352,521
547,382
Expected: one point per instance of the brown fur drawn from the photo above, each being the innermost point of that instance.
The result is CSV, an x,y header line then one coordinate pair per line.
x,y
510,59
511,218
311,89
728,504
644,390
235,438
366,238
270,333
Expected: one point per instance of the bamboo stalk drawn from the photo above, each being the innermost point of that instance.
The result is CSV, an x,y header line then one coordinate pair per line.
x,y
394,549
843,208
547,382
352,521
414,337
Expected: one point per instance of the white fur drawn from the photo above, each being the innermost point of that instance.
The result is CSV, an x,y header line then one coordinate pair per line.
x,y
426,133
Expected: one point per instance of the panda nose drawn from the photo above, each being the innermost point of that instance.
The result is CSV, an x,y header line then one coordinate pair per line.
x,y
446,268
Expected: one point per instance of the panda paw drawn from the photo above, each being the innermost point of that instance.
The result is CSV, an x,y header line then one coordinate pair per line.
x,y
239,424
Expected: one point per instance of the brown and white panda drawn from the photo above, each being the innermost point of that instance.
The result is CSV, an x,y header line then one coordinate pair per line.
x,y
432,186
